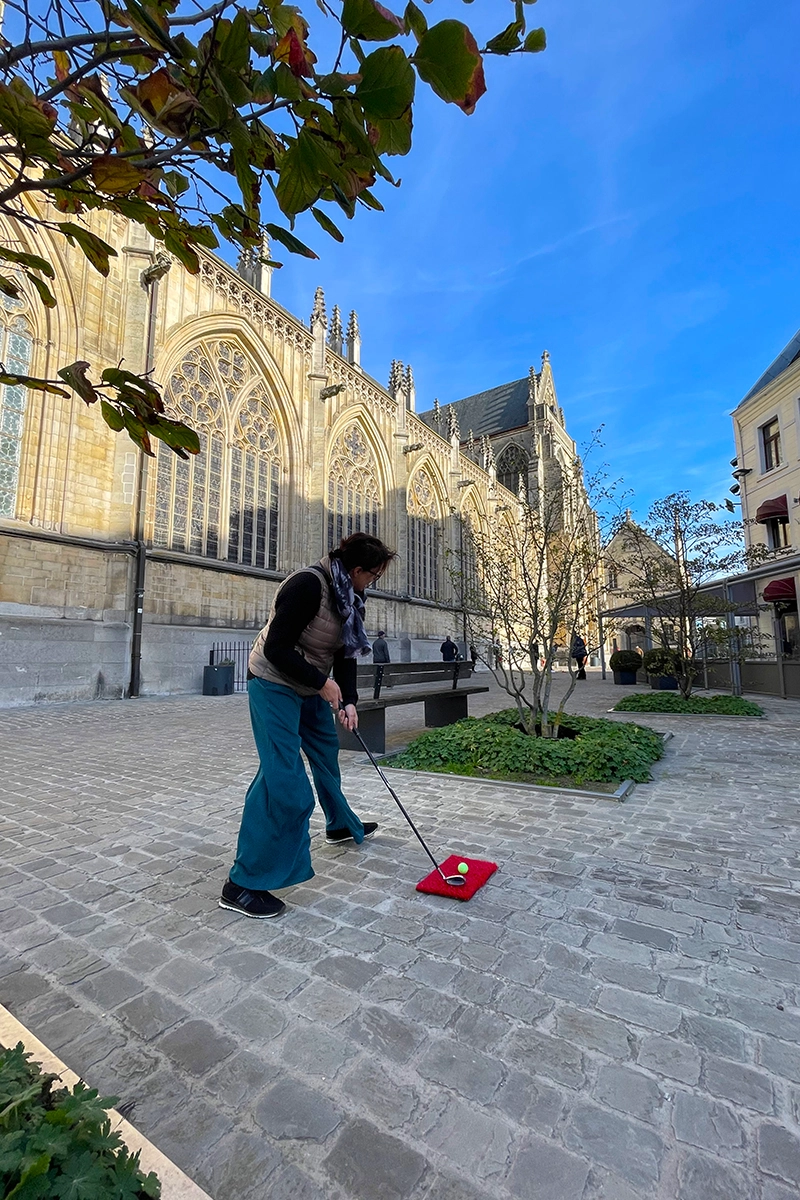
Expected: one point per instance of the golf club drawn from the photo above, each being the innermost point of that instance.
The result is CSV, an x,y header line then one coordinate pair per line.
x,y
452,880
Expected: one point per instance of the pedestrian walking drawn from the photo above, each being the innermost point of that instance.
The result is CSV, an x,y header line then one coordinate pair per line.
x,y
448,650
580,654
316,625
473,654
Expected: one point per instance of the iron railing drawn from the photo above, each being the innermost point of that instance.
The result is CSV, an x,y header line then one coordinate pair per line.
x,y
236,652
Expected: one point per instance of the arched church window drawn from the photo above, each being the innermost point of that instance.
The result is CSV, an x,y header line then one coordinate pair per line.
x,y
511,465
470,534
255,485
15,354
353,492
224,501
423,576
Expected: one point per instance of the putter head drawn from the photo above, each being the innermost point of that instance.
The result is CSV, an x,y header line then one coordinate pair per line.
x,y
454,880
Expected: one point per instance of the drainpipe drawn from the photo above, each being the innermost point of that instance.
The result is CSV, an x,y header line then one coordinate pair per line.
x,y
150,279
601,635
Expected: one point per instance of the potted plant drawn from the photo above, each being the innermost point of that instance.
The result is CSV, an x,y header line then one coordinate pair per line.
x,y
663,666
625,664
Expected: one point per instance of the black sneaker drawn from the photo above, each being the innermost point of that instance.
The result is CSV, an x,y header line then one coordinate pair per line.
x,y
334,836
250,904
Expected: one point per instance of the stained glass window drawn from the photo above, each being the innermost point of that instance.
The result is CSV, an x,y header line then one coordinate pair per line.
x,y
423,578
15,354
223,502
353,491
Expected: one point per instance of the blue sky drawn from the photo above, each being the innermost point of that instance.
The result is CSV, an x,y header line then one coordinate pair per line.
x,y
627,200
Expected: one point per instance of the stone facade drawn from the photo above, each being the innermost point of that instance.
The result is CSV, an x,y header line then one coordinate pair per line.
x,y
299,445
767,471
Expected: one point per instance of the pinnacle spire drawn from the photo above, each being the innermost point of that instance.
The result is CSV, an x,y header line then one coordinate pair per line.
x,y
395,377
452,423
335,332
318,313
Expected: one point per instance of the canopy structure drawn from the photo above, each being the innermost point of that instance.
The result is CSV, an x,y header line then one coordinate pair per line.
x,y
781,589
779,507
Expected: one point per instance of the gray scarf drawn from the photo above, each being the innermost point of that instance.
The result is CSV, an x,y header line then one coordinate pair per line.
x,y
350,607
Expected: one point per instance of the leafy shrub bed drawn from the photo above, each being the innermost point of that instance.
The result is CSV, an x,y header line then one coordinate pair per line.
x,y
601,752
57,1144
669,702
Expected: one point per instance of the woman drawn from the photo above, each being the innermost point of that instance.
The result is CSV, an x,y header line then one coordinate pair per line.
x,y
316,624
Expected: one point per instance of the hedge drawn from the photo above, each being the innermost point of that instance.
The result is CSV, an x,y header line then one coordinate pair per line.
x,y
669,702
601,752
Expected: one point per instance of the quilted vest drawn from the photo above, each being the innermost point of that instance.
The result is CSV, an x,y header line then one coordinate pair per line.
x,y
318,642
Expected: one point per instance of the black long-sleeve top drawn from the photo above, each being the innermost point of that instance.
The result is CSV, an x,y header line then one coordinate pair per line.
x,y
296,606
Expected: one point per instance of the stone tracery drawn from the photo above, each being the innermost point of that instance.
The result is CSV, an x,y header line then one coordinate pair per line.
x,y
354,499
224,501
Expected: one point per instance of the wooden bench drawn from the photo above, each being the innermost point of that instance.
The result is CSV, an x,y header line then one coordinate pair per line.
x,y
443,705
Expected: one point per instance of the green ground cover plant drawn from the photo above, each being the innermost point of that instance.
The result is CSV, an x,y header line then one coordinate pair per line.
x,y
492,747
670,702
57,1144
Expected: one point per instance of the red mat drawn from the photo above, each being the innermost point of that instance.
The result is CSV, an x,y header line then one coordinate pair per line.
x,y
479,871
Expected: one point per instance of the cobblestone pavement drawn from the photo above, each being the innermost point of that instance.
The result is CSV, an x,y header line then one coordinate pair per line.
x,y
614,1016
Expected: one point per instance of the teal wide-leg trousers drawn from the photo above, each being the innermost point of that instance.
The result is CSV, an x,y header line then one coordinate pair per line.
x,y
274,849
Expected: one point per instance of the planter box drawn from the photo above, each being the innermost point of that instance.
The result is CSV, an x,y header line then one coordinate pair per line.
x,y
625,677
663,683
218,681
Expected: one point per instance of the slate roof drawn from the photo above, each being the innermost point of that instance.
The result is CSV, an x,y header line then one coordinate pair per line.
x,y
787,356
499,408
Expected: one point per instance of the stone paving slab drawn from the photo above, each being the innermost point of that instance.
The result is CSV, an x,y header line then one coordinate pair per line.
x,y
614,1016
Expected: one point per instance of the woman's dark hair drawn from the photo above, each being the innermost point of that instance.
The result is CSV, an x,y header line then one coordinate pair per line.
x,y
363,550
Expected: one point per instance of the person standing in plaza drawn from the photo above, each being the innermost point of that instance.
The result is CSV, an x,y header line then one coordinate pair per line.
x,y
380,648
448,650
316,625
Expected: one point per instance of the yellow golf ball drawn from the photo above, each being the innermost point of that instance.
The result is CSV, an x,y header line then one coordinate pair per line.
x,y
462,868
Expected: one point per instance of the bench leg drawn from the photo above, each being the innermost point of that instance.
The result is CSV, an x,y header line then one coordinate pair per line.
x,y
445,710
371,726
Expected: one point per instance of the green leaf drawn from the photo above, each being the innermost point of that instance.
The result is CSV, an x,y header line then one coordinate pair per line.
x,y
304,168
176,184
39,1166
22,119
75,377
178,245
370,21
535,41
506,41
288,240
9,288
28,260
287,85
176,435
448,59
45,295
370,201
112,416
415,20
387,84
96,250
394,136
137,431
32,383
327,224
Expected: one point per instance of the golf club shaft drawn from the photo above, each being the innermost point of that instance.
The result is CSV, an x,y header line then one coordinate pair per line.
x,y
396,799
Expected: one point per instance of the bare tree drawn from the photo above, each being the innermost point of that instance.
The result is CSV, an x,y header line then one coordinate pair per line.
x,y
669,561
532,583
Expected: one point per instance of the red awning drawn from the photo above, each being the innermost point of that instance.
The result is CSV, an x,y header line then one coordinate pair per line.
x,y
772,508
780,589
